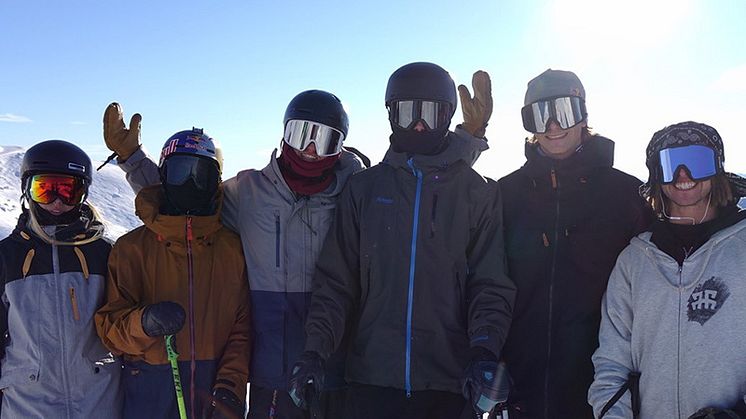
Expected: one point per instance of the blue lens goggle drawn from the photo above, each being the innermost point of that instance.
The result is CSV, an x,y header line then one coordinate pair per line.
x,y
699,161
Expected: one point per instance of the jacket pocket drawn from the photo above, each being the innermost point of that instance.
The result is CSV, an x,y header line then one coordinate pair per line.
x,y
74,304
18,376
277,240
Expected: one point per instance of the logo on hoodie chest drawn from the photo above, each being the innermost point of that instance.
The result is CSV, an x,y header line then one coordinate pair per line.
x,y
706,300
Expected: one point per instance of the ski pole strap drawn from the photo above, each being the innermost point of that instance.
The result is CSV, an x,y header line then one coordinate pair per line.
x,y
173,357
633,385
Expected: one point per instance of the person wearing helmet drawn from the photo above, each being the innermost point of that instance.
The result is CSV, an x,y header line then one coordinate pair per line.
x,y
568,213
53,278
181,274
673,313
412,270
282,213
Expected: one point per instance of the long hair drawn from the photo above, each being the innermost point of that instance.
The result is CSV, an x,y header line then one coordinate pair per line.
x,y
722,195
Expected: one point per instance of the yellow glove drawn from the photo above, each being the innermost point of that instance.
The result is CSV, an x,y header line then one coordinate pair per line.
x,y
477,110
117,137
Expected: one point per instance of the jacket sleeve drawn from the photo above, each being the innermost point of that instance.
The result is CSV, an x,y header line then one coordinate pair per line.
x,y
141,171
469,147
118,321
229,213
490,293
336,283
233,368
613,358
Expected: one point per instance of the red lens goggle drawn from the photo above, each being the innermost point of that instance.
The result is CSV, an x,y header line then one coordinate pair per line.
x,y
45,189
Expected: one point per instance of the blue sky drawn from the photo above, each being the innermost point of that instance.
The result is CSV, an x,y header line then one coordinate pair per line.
x,y
232,66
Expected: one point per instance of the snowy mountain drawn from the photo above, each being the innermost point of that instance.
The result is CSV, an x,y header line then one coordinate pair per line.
x,y
109,193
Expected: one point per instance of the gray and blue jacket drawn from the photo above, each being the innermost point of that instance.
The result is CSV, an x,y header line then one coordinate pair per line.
x,y
680,326
54,365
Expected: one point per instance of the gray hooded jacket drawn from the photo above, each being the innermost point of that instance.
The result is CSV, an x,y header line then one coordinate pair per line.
x,y
681,328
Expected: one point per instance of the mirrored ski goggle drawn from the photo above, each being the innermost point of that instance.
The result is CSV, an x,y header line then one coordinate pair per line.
x,y
180,168
568,111
299,134
406,113
45,189
698,160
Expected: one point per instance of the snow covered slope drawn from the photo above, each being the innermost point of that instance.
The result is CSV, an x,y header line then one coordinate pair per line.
x,y
109,193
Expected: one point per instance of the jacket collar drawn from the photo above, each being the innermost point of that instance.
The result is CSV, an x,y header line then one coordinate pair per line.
x,y
596,152
172,227
461,147
346,166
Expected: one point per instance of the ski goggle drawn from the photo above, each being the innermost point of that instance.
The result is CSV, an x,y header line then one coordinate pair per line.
x,y
180,168
406,113
698,160
45,189
568,111
299,134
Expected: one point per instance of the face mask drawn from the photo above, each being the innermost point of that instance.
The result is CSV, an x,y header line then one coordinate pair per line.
x,y
413,142
189,199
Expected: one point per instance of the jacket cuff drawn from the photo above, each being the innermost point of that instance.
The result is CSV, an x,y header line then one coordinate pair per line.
x,y
486,339
136,325
318,345
133,161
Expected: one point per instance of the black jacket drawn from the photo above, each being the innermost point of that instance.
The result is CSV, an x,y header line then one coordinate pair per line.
x,y
414,318
565,223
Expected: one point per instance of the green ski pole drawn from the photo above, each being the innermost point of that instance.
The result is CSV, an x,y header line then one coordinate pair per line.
x,y
172,357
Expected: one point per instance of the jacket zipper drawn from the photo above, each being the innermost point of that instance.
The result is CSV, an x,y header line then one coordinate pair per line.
x,y
74,302
555,187
277,241
412,263
192,343
678,351
432,215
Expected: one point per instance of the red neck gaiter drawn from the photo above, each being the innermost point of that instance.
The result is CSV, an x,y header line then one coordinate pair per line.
x,y
306,177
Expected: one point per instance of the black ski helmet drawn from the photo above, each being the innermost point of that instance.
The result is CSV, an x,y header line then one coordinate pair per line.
x,y
56,156
423,81
318,106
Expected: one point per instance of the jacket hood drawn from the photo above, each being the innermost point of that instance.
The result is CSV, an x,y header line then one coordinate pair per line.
x,y
346,166
597,152
88,228
461,146
172,227
643,242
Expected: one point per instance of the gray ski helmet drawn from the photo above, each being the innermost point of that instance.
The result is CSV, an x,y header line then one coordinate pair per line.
x,y
421,81
192,142
318,106
56,156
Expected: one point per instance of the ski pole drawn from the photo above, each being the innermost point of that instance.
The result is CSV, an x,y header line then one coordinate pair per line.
x,y
172,358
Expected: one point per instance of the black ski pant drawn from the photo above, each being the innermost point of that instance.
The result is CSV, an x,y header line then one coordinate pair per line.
x,y
373,402
266,403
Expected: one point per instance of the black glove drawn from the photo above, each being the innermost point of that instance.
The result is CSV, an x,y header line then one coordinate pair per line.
x,y
486,382
164,318
715,413
224,404
307,380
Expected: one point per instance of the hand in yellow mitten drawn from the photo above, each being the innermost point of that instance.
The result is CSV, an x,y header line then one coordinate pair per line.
x,y
477,110
117,137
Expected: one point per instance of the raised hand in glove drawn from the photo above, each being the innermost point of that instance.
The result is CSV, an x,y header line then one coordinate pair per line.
x,y
477,110
224,404
486,382
307,380
117,137
161,319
